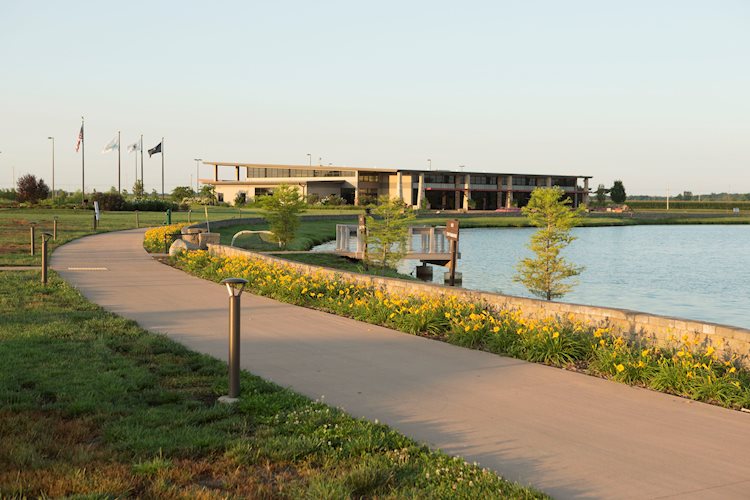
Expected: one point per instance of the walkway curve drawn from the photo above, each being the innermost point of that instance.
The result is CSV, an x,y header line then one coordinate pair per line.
x,y
571,435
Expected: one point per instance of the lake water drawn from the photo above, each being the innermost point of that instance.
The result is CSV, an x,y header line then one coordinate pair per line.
x,y
698,272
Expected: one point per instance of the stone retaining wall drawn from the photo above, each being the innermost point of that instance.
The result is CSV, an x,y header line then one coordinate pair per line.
x,y
651,326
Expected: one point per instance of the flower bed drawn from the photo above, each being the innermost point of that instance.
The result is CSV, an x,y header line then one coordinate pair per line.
x,y
154,239
684,368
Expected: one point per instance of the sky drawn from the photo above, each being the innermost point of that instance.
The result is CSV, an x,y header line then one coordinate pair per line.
x,y
655,93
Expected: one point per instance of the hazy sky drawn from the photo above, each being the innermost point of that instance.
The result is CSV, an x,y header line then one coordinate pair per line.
x,y
653,92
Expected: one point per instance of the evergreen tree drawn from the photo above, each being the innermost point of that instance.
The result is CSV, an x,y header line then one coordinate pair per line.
x,y
545,273
387,231
617,193
282,211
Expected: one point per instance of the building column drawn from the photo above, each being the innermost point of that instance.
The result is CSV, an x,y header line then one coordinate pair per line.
x,y
216,172
356,188
467,191
237,173
499,203
549,182
509,197
585,190
399,187
420,190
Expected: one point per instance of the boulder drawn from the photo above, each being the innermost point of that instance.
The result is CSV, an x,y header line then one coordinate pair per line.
x,y
180,246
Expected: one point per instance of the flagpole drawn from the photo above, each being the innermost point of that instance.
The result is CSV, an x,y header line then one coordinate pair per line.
x,y
119,187
143,185
162,168
136,166
83,163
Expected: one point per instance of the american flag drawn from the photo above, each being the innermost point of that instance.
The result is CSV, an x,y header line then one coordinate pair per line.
x,y
80,139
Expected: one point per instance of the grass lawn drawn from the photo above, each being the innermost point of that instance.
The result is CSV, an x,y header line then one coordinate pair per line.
x,y
91,404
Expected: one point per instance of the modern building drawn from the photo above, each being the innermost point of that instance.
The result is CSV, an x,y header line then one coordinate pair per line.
x,y
437,189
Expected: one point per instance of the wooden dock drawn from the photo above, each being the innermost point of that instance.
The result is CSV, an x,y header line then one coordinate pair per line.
x,y
424,243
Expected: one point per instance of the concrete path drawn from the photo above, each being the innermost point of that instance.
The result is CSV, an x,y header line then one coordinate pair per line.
x,y
571,435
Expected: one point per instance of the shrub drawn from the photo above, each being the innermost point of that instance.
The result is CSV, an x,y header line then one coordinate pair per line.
x,y
28,189
109,201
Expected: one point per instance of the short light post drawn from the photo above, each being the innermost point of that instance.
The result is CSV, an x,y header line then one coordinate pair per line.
x,y
234,285
33,237
54,228
45,239
137,222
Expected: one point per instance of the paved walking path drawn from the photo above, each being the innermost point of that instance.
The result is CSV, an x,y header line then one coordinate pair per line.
x,y
571,435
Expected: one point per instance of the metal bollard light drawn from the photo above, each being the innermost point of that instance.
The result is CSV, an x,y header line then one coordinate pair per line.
x,y
54,228
137,222
45,239
234,284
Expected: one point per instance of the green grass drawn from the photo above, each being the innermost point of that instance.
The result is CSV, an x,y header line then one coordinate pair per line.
x,y
342,263
92,405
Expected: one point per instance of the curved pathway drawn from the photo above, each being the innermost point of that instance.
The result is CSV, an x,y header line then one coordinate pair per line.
x,y
571,435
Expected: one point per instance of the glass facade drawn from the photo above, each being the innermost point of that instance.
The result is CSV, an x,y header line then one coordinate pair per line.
x,y
262,172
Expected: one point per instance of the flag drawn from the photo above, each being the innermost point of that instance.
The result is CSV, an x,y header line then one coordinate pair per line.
x,y
112,145
80,139
134,147
154,150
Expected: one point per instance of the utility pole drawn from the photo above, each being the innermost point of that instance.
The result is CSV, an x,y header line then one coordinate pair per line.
x,y
197,164
53,166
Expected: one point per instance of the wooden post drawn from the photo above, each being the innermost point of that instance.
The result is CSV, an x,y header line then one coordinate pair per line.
x,y
451,232
363,234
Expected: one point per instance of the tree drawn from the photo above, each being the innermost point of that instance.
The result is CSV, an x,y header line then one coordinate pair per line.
x,y
544,274
207,194
601,195
138,191
181,192
282,210
240,199
387,231
30,190
617,193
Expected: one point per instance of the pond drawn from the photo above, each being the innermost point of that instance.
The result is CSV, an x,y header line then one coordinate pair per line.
x,y
699,272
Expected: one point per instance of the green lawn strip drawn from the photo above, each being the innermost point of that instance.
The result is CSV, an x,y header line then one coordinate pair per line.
x,y
342,263
93,405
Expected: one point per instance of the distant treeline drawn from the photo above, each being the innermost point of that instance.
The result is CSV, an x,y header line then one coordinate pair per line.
x,y
695,205
688,196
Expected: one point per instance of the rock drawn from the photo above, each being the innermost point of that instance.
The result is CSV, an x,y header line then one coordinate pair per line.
x,y
180,246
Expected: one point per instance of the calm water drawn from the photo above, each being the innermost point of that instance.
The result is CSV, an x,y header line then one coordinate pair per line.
x,y
696,272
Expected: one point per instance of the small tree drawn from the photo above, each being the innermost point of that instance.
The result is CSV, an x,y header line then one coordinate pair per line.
x,y
617,193
138,191
282,211
30,190
181,192
387,231
601,195
544,274
240,199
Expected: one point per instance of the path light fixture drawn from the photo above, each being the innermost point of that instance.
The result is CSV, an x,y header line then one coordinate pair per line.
x,y
54,228
234,287
45,239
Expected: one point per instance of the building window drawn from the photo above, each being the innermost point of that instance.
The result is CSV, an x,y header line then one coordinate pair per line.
x,y
220,197
263,192
439,179
368,178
